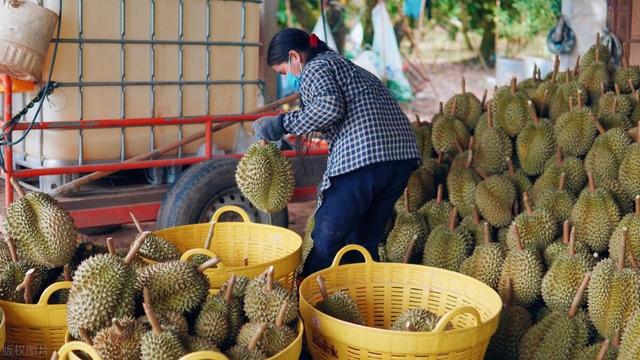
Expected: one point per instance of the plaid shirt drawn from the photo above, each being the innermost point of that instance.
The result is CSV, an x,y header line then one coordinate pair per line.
x,y
356,113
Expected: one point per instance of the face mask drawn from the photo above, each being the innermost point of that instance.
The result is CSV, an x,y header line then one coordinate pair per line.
x,y
293,80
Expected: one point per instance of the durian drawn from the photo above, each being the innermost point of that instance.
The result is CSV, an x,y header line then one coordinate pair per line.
x,y
467,107
43,232
339,305
490,148
408,225
561,246
264,297
557,202
307,242
158,344
518,177
627,77
524,268
265,177
121,340
536,229
416,319
594,75
276,337
449,134
598,351
630,346
436,211
631,222
574,130
250,352
446,247
422,131
628,173
485,264
495,197
594,215
535,143
155,247
461,185
510,109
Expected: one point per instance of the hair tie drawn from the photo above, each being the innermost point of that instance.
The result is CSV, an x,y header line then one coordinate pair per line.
x,y
313,40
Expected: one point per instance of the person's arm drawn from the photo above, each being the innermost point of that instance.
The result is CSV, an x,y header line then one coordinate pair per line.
x,y
326,105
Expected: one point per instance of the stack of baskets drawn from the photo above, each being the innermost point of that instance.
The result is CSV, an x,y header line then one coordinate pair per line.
x,y
383,291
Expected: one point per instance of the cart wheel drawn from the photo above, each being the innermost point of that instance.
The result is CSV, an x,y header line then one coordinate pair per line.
x,y
204,188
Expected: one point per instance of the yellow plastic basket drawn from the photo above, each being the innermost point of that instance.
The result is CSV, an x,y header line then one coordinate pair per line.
x,y
383,291
3,330
232,242
68,350
34,331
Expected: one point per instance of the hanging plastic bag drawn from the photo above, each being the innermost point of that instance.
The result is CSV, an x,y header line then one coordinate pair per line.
x,y
319,31
353,41
385,44
411,8
370,61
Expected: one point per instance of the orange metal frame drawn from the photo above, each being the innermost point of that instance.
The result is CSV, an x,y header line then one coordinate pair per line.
x,y
100,216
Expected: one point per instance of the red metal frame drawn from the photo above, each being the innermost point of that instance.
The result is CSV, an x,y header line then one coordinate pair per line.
x,y
120,214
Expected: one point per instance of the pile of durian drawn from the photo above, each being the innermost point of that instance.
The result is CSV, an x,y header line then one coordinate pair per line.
x,y
129,309
536,193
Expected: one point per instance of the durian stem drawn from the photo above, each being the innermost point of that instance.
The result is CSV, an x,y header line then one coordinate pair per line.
x,y
440,194
535,70
458,145
561,182
17,187
576,68
245,261
12,249
638,132
136,222
487,233
603,350
66,272
614,105
597,58
323,287
481,173
475,215
440,158
567,76
631,86
559,157
545,96
570,103
270,279
556,67
484,98
135,247
121,330
228,294
256,337
211,263
637,203
633,261
527,203
418,122
151,315
532,113
469,159
508,294
207,241
566,228
577,299
602,88
281,313
579,105
572,241
110,247
617,89
26,286
516,235
464,85
405,196
637,94
623,248
453,106
539,74
597,124
616,338
441,108
409,252
512,170
514,85
592,184
452,218
84,335
489,116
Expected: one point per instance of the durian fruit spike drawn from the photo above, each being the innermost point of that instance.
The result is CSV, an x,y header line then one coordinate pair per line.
x,y
158,343
339,305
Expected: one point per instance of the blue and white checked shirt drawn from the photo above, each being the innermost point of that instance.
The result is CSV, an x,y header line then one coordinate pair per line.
x,y
356,113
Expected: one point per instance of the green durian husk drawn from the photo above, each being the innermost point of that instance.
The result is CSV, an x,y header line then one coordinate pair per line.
x,y
341,305
420,320
556,336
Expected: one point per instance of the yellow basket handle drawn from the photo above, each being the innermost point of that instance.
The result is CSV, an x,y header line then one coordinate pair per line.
x,y
231,208
204,355
51,289
444,320
352,247
200,251
72,346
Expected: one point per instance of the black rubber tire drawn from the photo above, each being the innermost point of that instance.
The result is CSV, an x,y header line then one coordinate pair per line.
x,y
205,187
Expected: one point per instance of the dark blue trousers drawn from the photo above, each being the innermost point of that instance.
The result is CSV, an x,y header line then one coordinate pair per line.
x,y
355,210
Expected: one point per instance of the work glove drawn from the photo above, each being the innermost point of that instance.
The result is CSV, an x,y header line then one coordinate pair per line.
x,y
269,128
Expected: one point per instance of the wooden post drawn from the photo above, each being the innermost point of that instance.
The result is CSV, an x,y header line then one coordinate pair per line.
x,y
268,28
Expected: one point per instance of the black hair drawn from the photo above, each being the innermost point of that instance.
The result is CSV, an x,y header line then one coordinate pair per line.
x,y
292,39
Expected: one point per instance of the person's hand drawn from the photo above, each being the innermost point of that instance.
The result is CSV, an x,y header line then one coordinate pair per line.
x,y
269,128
